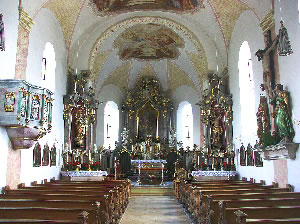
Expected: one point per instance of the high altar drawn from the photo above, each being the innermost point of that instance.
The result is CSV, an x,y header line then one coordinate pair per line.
x,y
148,119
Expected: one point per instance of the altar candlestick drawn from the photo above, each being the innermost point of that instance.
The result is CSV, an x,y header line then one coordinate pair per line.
x,y
198,160
137,126
156,128
90,156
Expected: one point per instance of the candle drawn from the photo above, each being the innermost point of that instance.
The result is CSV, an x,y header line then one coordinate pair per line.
x,y
156,128
198,160
20,3
90,156
137,126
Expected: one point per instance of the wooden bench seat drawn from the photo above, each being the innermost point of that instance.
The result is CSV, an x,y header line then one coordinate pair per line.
x,y
239,215
218,207
273,221
46,214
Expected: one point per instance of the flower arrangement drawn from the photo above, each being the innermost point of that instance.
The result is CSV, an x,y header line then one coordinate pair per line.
x,y
203,166
228,167
95,166
218,166
72,165
84,166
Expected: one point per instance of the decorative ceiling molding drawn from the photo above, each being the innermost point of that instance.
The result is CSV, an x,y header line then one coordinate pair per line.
x,y
179,78
66,12
147,71
25,20
144,20
200,65
227,13
119,77
100,59
268,22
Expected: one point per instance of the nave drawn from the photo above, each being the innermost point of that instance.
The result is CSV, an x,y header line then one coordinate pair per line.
x,y
160,207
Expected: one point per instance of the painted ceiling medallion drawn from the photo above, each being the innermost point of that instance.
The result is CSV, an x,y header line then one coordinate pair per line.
x,y
106,7
148,42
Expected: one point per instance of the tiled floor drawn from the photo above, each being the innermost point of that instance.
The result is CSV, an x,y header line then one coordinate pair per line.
x,y
154,210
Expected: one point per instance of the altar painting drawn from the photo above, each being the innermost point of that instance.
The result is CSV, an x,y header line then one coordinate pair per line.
x,y
148,41
147,117
117,6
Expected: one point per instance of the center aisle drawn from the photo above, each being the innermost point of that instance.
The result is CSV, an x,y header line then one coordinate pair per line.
x,y
148,206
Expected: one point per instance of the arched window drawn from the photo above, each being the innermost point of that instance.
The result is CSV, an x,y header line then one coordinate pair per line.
x,y
111,124
48,67
246,83
185,124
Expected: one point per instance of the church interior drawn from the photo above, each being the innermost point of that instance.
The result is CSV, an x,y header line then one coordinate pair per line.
x,y
123,107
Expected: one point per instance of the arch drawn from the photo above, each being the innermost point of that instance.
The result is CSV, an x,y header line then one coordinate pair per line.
x,y
111,124
48,67
247,97
185,124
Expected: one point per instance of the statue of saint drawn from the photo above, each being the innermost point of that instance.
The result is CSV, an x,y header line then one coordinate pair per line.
x,y
217,129
282,115
262,115
2,39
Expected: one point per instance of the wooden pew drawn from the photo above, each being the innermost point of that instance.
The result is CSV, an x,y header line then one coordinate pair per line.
x,y
218,207
107,212
241,215
50,214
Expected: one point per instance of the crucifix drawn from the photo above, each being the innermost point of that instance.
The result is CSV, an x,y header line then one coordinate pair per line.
x,y
282,42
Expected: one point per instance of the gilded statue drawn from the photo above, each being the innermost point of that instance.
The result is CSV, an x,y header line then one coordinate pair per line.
x,y
217,129
282,114
262,115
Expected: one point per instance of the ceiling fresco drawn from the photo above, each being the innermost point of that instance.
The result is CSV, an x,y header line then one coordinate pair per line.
x,y
148,41
121,40
107,7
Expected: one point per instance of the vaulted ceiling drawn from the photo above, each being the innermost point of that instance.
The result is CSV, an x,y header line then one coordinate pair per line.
x,y
177,41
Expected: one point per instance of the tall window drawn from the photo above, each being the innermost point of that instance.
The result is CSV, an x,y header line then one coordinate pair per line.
x,y
185,124
111,124
246,83
48,67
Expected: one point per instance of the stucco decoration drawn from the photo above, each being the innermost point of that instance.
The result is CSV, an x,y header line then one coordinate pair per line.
x,y
105,7
119,77
228,12
66,12
179,78
100,59
200,65
147,71
177,28
148,41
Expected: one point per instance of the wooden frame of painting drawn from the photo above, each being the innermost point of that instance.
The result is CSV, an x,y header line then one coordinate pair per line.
x,y
37,155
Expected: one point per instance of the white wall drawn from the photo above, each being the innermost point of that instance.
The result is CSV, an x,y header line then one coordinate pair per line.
x,y
9,9
46,29
289,69
186,93
3,156
247,29
108,93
